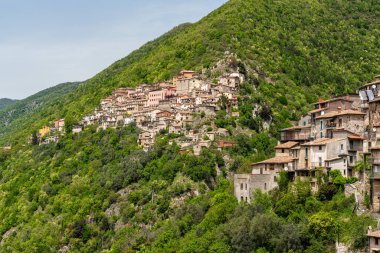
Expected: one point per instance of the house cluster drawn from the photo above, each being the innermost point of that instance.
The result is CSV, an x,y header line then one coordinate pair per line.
x,y
51,132
337,134
170,106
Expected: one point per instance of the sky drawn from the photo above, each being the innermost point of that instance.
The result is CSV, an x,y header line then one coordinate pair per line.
x,y
47,42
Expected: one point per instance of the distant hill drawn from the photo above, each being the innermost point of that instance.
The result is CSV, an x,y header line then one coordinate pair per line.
x,y
4,102
17,117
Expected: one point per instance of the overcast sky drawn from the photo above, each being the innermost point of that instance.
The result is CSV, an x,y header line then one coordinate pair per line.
x,y
47,42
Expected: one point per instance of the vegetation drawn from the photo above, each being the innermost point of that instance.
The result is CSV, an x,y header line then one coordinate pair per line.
x,y
98,191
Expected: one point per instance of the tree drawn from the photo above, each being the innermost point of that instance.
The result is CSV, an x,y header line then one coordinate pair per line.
x,y
69,123
34,138
323,225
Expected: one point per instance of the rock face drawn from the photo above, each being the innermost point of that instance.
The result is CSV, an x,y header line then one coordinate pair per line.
x,y
7,234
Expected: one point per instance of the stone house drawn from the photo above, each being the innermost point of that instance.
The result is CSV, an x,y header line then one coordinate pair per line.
x,y
175,128
296,133
155,96
350,120
77,129
264,177
373,240
323,154
187,85
146,139
59,124
197,148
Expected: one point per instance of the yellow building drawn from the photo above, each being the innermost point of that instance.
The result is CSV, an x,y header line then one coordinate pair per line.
x,y
44,131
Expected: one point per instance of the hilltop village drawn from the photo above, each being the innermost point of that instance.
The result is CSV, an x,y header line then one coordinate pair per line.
x,y
338,134
182,107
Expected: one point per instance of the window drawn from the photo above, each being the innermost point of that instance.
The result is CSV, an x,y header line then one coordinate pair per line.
x,y
282,150
246,187
341,146
376,241
241,198
306,153
321,124
320,147
246,199
321,134
344,172
261,170
275,178
265,186
241,187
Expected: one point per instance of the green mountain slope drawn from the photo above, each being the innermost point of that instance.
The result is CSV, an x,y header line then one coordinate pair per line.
x,y
17,118
6,102
307,48
99,192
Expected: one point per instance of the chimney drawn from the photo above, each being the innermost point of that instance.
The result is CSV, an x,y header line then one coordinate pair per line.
x,y
339,109
369,229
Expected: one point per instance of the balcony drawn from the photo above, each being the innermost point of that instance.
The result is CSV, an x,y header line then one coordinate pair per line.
x,y
376,175
364,106
355,147
316,165
295,137
331,125
353,163
375,161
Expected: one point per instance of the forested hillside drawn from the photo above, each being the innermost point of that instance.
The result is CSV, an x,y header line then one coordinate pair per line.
x,y
297,51
6,102
98,191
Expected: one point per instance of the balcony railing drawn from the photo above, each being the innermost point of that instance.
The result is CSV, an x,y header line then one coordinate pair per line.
x,y
331,125
364,105
297,137
355,147
315,165
374,160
